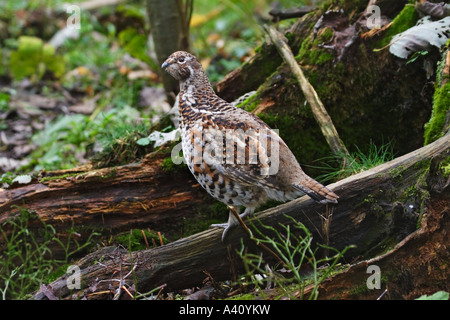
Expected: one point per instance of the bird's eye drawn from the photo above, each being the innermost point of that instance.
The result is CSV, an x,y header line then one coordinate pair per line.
x,y
181,60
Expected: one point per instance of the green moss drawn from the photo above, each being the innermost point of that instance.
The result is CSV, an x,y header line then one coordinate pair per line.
x,y
444,166
324,35
168,166
245,296
250,103
211,212
418,190
351,5
60,177
406,19
434,129
358,291
135,239
310,52
396,173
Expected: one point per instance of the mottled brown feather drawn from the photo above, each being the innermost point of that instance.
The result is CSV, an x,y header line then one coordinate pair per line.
x,y
211,128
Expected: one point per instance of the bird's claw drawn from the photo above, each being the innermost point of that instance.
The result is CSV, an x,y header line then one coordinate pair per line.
x,y
232,222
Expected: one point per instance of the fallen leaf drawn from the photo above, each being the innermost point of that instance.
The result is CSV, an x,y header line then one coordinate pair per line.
x,y
420,37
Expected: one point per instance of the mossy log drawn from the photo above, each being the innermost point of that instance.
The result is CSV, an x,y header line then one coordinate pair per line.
x,y
377,209
145,194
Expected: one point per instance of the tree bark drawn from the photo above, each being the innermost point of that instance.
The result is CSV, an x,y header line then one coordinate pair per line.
x,y
418,265
169,21
377,209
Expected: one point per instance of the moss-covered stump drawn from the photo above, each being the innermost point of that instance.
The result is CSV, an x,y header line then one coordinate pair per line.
x,y
370,96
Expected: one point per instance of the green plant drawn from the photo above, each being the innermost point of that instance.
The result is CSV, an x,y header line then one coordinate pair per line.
x,y
66,141
139,239
33,58
26,259
294,245
7,178
4,101
355,162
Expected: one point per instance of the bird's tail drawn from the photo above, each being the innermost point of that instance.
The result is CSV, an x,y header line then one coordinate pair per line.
x,y
316,191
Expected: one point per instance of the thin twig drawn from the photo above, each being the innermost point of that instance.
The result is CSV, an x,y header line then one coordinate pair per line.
x,y
160,238
145,239
119,289
326,223
258,243
233,269
320,113
215,285
128,292
160,292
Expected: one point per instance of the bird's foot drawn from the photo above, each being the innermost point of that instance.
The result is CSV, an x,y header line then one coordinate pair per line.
x,y
226,226
232,222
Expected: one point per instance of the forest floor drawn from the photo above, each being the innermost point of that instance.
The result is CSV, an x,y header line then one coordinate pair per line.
x,y
69,97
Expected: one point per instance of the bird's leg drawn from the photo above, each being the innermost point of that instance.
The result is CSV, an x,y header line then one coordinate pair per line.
x,y
248,212
233,220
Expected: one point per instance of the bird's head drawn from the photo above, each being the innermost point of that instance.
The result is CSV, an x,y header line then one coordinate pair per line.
x,y
182,66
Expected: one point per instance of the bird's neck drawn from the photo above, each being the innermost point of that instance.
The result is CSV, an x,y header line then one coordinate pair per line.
x,y
194,92
196,99
197,85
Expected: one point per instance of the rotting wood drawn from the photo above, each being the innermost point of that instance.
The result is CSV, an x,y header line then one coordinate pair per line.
x,y
320,113
109,199
377,208
416,266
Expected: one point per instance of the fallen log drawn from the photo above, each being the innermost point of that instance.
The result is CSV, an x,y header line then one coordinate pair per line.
x,y
418,265
109,200
377,209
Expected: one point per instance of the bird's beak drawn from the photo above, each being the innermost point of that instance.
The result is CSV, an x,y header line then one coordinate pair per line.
x,y
165,65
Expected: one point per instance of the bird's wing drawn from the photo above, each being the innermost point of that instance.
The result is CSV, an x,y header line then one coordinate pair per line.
x,y
240,146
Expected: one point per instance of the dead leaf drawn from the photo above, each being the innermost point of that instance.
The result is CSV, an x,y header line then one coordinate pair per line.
x,y
344,34
420,37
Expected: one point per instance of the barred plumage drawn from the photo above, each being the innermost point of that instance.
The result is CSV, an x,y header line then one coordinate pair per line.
x,y
232,153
